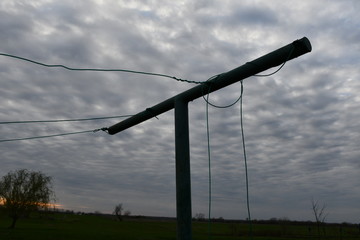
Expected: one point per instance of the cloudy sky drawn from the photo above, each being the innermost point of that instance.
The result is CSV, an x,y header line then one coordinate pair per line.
x,y
301,124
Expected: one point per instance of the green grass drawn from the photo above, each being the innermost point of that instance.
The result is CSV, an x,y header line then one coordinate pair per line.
x,y
60,226
67,226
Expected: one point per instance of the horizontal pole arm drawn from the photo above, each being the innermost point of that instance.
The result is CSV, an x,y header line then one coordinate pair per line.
x,y
272,59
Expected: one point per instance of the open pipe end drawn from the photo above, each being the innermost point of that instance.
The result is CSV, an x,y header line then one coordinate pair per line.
x,y
304,44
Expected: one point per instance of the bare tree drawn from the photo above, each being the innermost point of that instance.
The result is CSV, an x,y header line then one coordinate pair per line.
x,y
23,191
127,213
200,216
319,213
118,211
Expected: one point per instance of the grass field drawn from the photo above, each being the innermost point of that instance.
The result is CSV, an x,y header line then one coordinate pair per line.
x,y
61,226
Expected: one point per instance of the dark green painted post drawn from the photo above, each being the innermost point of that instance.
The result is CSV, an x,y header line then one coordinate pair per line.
x,y
183,179
180,103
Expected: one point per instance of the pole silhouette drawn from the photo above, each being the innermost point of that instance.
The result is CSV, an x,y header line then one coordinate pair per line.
x,y
180,104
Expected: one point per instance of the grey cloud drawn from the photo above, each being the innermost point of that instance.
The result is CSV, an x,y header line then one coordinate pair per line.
x,y
253,16
300,124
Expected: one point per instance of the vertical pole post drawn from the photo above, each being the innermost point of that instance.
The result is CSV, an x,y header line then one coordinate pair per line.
x,y
183,179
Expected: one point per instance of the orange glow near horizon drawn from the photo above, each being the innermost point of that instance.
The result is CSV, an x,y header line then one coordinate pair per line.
x,y
50,205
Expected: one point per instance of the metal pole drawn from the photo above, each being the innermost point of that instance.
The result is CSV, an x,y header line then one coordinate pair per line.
x,y
273,59
180,103
183,179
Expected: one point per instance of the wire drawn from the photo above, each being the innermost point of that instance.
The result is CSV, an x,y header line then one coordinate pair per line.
x,y
54,135
240,98
97,69
208,142
282,65
244,153
243,141
207,83
65,120
245,160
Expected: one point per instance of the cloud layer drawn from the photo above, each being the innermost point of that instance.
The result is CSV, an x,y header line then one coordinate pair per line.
x,y
301,124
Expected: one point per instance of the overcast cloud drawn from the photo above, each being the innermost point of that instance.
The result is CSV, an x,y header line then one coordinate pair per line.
x,y
301,125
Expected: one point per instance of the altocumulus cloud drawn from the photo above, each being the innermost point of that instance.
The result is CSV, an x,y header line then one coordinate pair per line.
x,y
301,124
